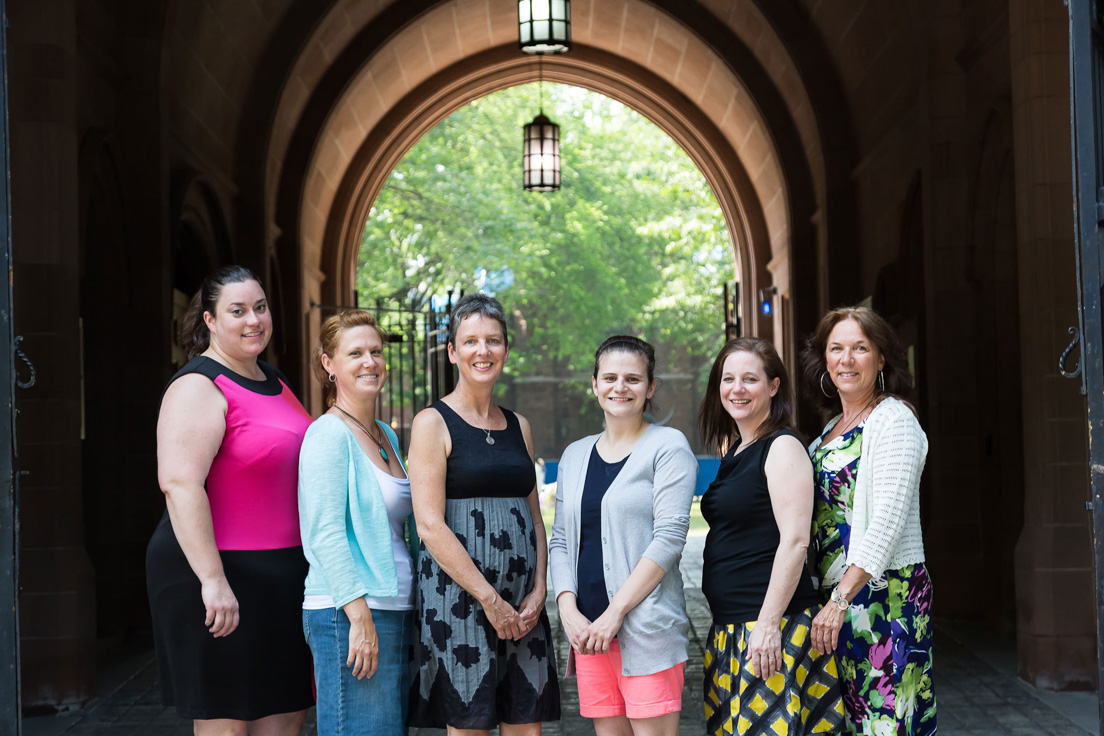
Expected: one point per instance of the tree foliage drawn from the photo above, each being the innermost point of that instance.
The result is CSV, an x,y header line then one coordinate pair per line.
x,y
634,241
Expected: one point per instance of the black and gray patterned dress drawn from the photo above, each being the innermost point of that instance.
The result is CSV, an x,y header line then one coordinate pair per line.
x,y
466,676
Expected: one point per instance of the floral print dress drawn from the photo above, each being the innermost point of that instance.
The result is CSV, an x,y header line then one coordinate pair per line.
x,y
885,645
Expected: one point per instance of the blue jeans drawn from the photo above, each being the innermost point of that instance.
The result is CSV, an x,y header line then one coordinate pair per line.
x,y
346,705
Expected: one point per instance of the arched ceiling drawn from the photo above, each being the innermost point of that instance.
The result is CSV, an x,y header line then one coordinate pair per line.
x,y
212,52
454,30
498,68
276,102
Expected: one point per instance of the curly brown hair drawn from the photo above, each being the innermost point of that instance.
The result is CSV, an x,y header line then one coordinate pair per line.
x,y
895,372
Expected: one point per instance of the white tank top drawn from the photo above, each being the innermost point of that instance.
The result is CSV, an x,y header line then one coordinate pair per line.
x,y
396,498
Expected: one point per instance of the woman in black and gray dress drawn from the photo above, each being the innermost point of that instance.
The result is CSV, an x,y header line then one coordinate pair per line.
x,y
484,657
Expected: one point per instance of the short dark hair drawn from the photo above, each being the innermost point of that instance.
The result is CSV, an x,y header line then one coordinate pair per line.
x,y
898,380
717,428
629,344
471,305
194,335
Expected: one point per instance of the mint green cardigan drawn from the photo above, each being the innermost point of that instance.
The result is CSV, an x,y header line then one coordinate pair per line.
x,y
342,517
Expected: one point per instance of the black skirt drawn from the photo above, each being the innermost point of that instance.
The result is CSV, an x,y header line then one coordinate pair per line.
x,y
263,667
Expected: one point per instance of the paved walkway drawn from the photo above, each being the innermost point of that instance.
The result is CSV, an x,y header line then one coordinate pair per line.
x,y
977,689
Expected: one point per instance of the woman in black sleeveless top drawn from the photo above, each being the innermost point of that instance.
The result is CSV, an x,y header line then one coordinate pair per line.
x,y
761,674
484,654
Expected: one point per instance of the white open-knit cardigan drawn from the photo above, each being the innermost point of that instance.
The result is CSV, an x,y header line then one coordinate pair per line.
x,y
885,521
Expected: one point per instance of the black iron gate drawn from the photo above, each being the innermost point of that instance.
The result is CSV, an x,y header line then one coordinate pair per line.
x,y
731,296
418,369
415,336
1087,125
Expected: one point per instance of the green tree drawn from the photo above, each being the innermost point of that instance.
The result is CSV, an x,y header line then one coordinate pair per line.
x,y
633,242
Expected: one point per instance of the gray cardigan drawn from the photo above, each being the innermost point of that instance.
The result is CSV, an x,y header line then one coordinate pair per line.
x,y
645,513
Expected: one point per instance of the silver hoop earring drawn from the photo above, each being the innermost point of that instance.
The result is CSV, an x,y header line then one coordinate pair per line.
x,y
333,378
881,381
822,389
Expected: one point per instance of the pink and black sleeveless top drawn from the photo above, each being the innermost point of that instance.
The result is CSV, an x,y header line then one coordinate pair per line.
x,y
253,482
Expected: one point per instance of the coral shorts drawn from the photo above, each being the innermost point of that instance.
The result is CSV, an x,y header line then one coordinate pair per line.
x,y
605,692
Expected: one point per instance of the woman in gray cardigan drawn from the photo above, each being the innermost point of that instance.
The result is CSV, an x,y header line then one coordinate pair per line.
x,y
622,512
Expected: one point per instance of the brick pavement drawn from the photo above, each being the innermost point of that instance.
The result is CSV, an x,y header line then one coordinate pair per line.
x,y
977,690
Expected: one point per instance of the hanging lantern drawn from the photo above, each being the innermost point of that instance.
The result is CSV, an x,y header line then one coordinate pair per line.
x,y
542,155
544,26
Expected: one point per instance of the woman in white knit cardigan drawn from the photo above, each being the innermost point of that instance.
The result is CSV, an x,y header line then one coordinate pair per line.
x,y
866,524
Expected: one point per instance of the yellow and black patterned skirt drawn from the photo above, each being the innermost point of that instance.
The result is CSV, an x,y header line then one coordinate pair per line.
x,y
802,697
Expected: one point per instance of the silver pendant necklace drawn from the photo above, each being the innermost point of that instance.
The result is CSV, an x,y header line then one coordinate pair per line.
x,y
490,439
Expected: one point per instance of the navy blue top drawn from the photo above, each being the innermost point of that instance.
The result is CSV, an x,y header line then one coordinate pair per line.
x,y
743,538
475,469
593,599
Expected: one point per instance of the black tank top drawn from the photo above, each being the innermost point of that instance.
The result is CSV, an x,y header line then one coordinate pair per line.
x,y
743,538
476,469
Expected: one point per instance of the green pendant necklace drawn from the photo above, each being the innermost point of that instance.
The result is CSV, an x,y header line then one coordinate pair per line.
x,y
379,442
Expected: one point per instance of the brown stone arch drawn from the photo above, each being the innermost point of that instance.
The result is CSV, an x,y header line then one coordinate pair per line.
x,y
783,66
819,183
253,225
200,234
501,68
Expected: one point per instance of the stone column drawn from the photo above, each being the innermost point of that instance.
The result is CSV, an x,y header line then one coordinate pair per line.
x,y
945,365
57,598
1054,578
311,319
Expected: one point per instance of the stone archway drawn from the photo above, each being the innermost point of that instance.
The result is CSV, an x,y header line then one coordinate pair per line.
x,y
368,84
503,67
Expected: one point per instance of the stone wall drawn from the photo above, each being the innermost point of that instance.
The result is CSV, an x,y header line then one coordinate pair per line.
x,y
57,582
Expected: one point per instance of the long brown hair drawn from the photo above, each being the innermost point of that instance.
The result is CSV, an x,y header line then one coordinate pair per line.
x,y
895,372
716,427
329,340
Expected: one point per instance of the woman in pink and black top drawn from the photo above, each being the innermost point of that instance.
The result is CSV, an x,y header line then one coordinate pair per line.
x,y
225,566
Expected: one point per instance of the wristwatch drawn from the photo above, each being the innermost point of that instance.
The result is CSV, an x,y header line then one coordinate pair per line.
x,y
841,603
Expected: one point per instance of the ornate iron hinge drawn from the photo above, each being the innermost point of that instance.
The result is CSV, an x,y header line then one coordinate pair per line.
x,y
1074,343
34,376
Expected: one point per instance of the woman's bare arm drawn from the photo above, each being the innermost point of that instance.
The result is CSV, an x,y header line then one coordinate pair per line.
x,y
790,485
429,447
190,429
533,603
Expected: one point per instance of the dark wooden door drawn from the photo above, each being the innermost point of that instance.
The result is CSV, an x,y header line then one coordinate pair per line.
x,y
1087,124
9,510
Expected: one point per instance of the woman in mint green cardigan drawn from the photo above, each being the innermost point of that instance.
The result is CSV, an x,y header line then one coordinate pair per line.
x,y
357,528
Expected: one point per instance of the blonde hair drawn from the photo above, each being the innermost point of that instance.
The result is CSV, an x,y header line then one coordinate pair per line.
x,y
332,330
